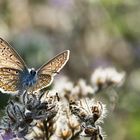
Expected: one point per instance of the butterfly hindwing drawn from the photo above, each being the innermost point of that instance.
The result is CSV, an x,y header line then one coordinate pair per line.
x,y
9,80
9,57
44,80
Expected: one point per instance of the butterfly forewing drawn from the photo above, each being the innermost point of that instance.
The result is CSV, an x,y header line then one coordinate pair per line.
x,y
55,64
9,57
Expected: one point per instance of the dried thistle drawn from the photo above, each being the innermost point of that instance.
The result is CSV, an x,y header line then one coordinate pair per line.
x,y
68,112
90,114
105,77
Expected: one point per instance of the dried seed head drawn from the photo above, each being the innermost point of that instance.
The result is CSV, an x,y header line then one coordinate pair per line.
x,y
105,77
86,107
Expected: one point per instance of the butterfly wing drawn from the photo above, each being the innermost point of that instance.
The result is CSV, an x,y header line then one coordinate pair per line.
x,y
47,71
11,65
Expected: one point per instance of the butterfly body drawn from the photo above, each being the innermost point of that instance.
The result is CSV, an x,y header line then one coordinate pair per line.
x,y
28,78
15,76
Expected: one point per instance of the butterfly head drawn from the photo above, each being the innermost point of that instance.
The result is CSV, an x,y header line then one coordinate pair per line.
x,y
32,71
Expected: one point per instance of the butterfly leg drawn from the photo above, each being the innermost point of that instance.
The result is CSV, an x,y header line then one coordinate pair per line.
x,y
21,92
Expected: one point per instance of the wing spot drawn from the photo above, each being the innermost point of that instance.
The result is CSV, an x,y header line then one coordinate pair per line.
x,y
11,55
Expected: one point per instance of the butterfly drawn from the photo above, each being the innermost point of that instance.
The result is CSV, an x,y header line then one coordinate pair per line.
x,y
15,76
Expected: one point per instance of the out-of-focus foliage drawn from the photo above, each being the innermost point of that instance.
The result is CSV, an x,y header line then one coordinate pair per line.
x,y
98,33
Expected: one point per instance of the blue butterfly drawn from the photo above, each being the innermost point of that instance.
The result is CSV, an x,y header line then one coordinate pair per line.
x,y
15,75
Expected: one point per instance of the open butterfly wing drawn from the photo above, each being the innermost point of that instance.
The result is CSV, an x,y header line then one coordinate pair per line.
x,y
9,58
47,71
11,65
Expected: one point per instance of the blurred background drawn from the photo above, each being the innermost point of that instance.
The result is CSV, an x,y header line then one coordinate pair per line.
x,y
97,32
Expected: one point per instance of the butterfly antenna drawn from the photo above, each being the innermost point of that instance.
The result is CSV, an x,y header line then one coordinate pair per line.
x,y
55,72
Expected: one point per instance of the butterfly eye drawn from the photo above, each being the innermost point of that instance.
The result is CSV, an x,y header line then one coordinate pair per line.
x,y
33,72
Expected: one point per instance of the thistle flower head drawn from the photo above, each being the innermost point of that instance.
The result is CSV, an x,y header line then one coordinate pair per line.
x,y
105,77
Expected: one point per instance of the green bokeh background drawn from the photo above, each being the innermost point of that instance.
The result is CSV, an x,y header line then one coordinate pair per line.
x,y
97,32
